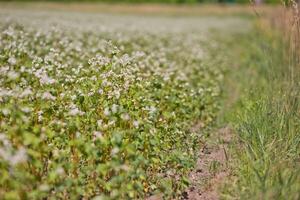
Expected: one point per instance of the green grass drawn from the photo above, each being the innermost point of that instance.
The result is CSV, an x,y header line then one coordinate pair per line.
x,y
266,119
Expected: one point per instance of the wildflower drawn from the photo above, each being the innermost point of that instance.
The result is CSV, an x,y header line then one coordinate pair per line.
x,y
152,109
102,60
117,94
44,187
75,111
6,143
91,93
26,92
106,112
73,97
5,92
125,116
115,150
45,79
99,122
6,111
114,108
26,109
62,95
12,61
19,157
111,123
100,91
60,171
40,116
13,75
22,69
55,153
78,134
135,123
97,135
48,96
124,60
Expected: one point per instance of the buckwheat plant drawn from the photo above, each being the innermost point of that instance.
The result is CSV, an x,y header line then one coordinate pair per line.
x,y
100,106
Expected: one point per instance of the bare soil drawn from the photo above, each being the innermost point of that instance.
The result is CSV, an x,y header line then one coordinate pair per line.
x,y
211,168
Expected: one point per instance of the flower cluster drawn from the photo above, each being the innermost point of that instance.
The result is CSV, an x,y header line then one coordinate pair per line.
x,y
92,108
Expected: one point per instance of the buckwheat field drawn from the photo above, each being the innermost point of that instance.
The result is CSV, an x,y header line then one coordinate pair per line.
x,y
188,101
102,105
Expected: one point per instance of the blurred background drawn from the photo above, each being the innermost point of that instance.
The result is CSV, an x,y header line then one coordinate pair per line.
x,y
161,1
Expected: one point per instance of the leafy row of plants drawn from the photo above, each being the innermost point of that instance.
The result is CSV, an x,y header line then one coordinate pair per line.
x,y
91,114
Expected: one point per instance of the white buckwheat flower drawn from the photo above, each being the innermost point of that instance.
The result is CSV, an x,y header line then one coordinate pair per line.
x,y
19,157
13,75
97,135
26,109
106,112
99,122
136,123
12,61
46,80
48,96
114,108
75,111
27,92
125,116
60,171
100,91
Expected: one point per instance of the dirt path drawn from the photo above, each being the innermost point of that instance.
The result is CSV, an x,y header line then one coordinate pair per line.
x,y
211,168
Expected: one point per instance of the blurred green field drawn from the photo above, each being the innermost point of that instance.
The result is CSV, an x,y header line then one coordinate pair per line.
x,y
157,1
145,8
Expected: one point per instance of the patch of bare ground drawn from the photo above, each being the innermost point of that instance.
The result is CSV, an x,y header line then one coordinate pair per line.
x,y
211,168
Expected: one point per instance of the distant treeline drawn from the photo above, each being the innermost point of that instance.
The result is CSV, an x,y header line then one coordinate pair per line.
x,y
159,1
